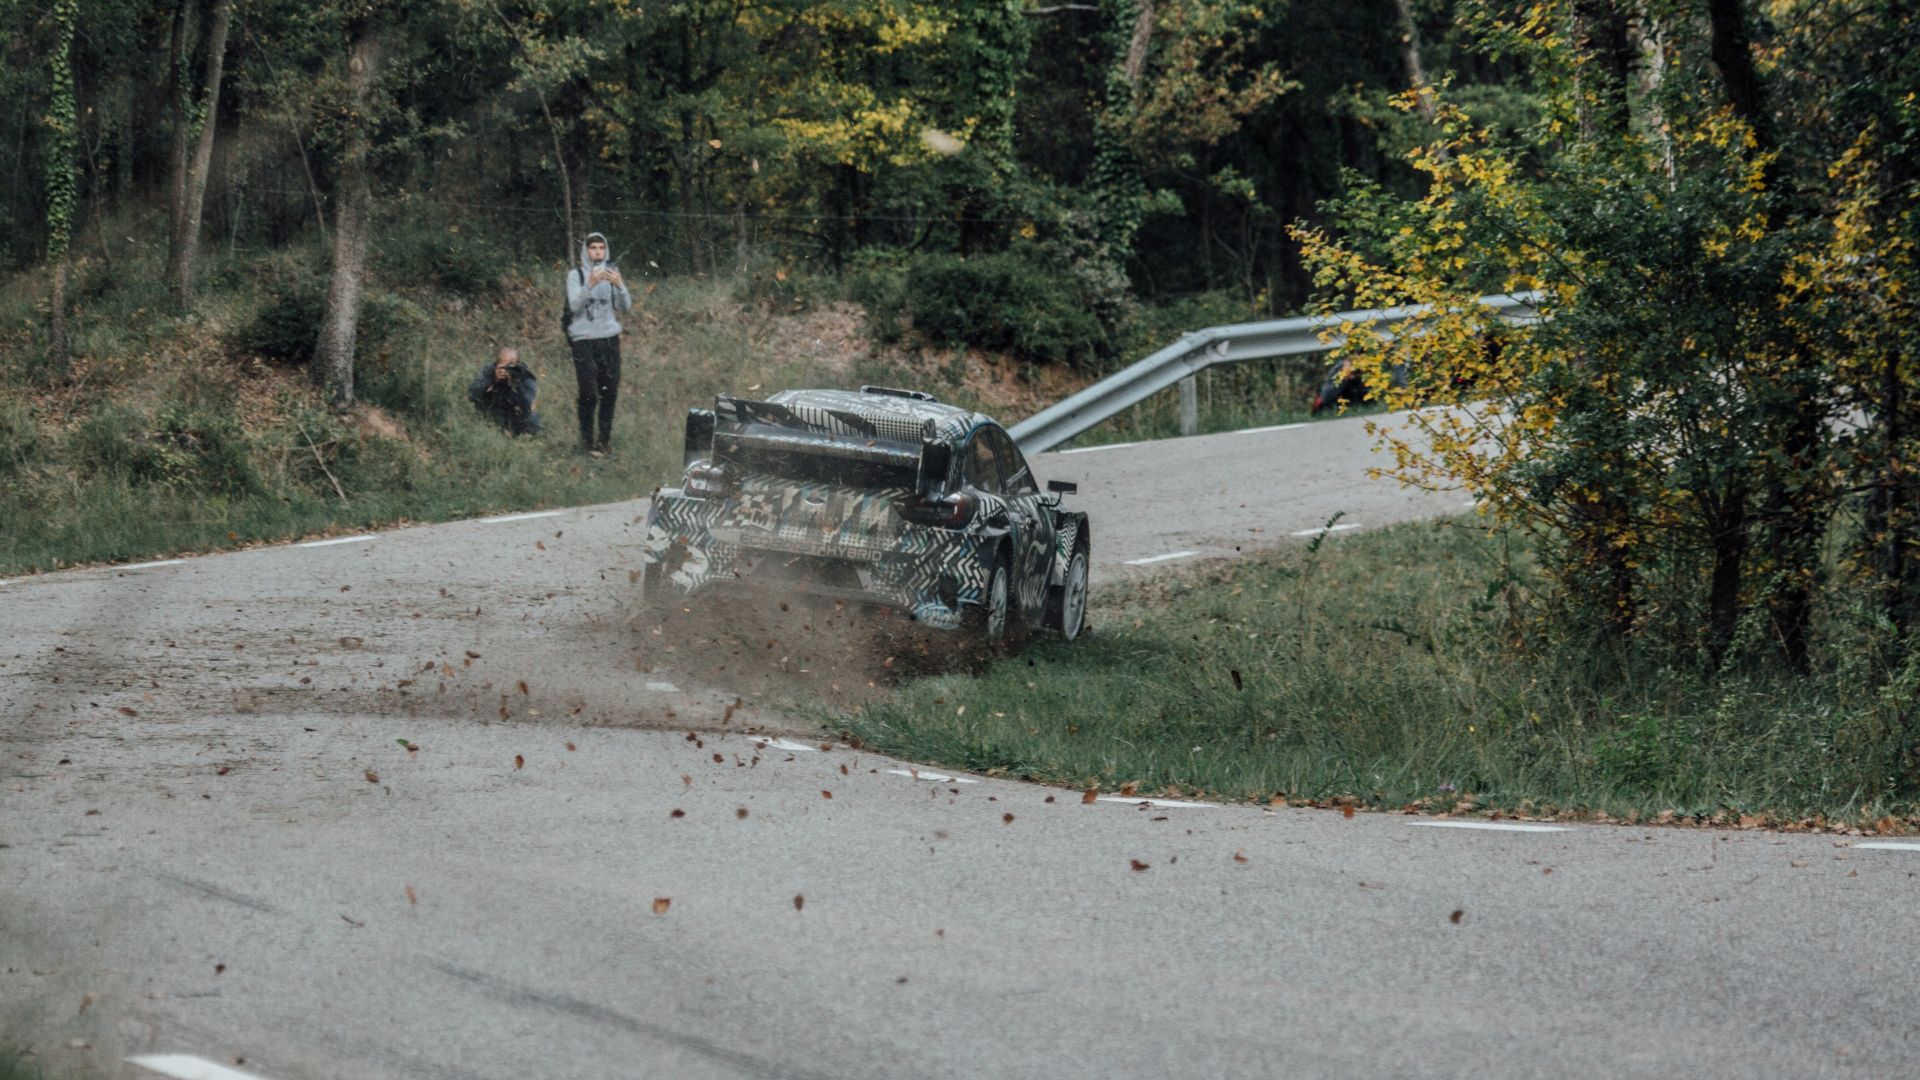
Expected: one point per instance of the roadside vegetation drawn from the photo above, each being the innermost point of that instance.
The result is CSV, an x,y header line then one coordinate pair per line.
x,y
1417,667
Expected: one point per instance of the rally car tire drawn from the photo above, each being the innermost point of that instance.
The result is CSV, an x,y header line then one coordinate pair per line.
x,y
1067,601
995,624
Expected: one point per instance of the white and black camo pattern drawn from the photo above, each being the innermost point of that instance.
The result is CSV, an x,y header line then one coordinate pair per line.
x,y
768,523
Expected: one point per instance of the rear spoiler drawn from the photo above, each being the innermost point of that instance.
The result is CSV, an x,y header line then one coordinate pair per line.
x,y
740,424
764,438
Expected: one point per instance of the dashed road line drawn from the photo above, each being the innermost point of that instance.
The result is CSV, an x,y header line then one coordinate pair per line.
x,y
361,539
932,777
1493,826
1096,449
188,1067
502,519
663,687
1276,427
149,565
1159,804
1322,530
1889,845
1161,558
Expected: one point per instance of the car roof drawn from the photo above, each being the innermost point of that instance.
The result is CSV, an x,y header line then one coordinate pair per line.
x,y
895,415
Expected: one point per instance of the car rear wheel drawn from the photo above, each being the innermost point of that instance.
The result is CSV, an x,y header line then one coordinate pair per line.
x,y
999,607
1070,597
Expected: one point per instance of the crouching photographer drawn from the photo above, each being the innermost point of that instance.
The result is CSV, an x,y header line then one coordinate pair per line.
x,y
504,391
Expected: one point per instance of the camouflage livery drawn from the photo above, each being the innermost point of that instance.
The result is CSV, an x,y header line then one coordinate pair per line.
x,y
876,495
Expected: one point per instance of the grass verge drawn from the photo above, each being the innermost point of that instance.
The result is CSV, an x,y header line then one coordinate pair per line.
x,y
1381,669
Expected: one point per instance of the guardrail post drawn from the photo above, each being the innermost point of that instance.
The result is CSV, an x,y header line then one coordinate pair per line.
x,y
1189,405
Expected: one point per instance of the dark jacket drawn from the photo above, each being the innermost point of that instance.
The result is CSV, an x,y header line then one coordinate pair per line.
x,y
509,403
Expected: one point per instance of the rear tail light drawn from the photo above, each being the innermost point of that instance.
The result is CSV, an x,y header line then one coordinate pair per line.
x,y
941,511
706,480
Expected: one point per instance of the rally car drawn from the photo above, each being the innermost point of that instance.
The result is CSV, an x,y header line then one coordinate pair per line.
x,y
879,496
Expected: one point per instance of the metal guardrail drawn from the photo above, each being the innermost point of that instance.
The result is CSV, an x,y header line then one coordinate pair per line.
x,y
1198,350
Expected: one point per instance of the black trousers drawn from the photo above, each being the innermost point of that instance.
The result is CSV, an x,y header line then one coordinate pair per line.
x,y
596,369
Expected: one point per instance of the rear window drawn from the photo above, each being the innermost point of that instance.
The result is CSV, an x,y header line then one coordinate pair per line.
x,y
804,468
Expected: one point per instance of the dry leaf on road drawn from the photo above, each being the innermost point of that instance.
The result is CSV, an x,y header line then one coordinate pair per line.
x,y
661,904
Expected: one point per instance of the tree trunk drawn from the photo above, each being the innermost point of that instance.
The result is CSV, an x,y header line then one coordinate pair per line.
x,y
192,201
1728,526
1732,51
333,354
59,351
63,119
1650,74
1410,57
567,249
180,97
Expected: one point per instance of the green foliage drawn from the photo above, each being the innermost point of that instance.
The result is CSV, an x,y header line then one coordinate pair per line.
x,y
876,278
1677,430
181,447
286,325
62,120
1015,301
460,260
20,437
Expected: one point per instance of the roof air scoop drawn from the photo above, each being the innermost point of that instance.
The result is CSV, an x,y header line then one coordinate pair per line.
x,y
890,391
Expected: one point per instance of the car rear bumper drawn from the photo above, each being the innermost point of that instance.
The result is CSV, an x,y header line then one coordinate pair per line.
x,y
701,549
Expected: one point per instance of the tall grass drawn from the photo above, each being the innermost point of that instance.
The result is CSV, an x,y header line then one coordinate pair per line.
x,y
1390,669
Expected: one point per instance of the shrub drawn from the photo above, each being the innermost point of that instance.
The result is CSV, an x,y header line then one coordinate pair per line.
x,y
19,437
1013,301
287,324
456,260
876,279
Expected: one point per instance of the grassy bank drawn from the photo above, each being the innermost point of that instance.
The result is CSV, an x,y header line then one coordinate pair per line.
x,y
201,432
1380,669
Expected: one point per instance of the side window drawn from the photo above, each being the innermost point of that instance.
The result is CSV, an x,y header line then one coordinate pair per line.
x,y
1019,478
983,466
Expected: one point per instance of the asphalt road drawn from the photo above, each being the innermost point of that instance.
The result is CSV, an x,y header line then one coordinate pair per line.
x,y
213,842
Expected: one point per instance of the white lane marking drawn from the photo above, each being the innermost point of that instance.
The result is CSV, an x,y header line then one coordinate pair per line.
x,y
1889,845
1276,427
1169,804
362,538
188,1067
502,519
1096,449
1161,558
933,777
1499,826
1470,503
665,687
783,744
1326,529
150,565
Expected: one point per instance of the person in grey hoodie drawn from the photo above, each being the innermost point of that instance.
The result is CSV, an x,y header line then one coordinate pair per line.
x,y
595,292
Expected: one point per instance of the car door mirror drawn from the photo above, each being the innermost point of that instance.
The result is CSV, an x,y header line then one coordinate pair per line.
x,y
1062,487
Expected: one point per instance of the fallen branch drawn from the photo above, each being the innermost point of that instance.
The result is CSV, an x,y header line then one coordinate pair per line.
x,y
322,462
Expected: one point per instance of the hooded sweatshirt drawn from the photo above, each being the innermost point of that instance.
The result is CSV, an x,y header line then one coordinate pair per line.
x,y
593,308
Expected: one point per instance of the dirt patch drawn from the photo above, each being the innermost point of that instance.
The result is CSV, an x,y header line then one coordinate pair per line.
x,y
371,420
